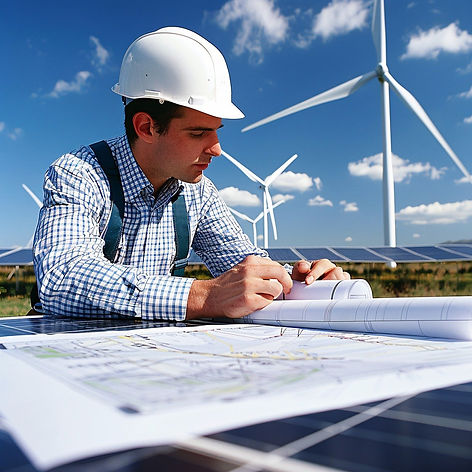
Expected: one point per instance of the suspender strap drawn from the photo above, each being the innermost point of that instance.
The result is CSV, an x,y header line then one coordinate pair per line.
x,y
112,236
182,235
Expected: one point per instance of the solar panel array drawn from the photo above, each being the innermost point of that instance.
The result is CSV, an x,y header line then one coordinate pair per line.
x,y
440,252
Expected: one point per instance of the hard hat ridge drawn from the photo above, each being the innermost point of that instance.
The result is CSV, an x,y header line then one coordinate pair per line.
x,y
179,66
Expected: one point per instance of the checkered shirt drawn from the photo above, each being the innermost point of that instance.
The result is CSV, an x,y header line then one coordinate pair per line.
x,y
75,278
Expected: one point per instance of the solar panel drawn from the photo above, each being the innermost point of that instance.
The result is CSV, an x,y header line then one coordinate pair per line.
x,y
18,257
436,253
399,254
315,253
430,431
282,255
464,249
359,254
444,252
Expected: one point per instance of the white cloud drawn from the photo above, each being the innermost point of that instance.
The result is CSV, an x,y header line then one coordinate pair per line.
x,y
467,94
101,54
416,235
341,17
15,134
2,126
349,206
348,239
277,198
319,201
318,183
468,120
62,87
260,21
436,213
291,181
403,169
235,197
465,70
428,44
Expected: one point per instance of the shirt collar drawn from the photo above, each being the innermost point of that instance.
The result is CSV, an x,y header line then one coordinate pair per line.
x,y
133,179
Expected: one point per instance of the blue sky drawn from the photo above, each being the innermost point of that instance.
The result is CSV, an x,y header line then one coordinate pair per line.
x,y
62,60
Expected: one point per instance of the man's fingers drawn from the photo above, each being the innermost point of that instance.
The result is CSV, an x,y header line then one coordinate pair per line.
x,y
320,269
334,274
265,269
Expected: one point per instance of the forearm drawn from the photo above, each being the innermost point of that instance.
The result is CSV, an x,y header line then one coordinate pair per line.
x,y
89,286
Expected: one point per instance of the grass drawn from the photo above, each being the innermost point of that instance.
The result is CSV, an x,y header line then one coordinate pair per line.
x,y
407,280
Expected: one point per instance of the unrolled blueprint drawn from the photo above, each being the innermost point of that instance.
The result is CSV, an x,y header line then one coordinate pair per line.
x,y
69,396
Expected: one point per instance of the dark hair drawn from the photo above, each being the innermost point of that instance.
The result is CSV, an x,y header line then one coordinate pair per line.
x,y
161,114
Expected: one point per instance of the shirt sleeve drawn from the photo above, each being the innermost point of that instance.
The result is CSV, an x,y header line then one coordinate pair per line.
x,y
219,240
74,277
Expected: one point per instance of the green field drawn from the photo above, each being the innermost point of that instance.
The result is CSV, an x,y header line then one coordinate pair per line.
x,y
407,280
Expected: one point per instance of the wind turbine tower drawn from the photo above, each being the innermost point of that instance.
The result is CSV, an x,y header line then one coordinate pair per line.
x,y
386,81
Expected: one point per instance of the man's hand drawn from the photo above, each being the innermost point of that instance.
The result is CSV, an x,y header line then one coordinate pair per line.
x,y
321,269
248,286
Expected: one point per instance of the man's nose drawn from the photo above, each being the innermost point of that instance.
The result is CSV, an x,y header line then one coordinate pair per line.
x,y
214,150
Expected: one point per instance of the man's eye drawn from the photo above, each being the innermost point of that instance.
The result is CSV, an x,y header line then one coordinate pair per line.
x,y
197,135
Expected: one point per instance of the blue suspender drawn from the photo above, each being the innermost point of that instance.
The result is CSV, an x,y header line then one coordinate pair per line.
x,y
107,163
112,236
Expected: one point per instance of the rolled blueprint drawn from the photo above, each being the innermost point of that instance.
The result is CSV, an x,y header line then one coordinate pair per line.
x,y
439,317
328,290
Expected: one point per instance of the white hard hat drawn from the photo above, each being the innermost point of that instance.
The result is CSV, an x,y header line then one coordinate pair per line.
x,y
179,66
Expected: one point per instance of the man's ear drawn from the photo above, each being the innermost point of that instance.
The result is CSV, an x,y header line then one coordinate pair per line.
x,y
144,126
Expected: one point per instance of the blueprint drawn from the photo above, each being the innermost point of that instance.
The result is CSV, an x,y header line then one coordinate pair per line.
x,y
165,384
440,317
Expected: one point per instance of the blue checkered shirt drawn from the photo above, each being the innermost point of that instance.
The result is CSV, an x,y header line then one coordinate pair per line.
x,y
75,278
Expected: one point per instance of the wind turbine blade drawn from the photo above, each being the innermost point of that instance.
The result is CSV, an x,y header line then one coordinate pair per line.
x,y
243,169
413,104
278,203
378,30
275,174
271,211
33,196
240,215
336,93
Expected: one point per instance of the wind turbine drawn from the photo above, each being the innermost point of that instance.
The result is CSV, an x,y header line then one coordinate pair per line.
x,y
38,202
255,220
386,80
264,185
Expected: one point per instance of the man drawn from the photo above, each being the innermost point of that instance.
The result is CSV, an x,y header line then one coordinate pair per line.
x,y
176,90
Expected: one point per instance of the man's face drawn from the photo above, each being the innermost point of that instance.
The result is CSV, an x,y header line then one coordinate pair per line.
x,y
187,147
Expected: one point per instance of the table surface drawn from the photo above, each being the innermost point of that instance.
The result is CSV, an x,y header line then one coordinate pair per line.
x,y
430,431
